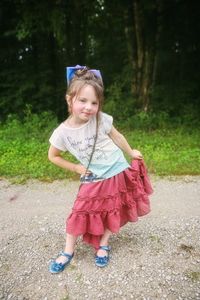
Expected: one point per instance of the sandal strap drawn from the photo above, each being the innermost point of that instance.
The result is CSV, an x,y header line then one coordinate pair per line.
x,y
103,259
62,253
106,248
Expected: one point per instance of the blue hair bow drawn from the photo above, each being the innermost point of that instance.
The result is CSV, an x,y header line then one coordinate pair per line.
x,y
70,71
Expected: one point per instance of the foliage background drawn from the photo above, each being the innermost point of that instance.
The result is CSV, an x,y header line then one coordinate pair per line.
x,y
24,147
148,52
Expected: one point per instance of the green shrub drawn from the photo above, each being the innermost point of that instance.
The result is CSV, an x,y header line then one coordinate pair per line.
x,y
168,151
32,126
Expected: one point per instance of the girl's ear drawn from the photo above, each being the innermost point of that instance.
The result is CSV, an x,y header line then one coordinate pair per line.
x,y
69,103
67,99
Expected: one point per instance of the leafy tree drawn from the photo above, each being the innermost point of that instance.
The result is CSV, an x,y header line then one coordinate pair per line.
x,y
147,50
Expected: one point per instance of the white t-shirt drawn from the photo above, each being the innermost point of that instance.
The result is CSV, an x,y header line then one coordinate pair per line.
x,y
108,160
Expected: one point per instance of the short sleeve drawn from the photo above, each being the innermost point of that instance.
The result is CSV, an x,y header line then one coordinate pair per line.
x,y
57,141
107,122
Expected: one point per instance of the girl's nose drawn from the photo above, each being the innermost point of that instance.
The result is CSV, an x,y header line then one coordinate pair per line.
x,y
88,106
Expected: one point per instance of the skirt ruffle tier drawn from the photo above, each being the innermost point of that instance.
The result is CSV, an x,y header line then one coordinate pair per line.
x,y
110,204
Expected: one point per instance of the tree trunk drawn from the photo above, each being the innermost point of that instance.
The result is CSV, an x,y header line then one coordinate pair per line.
x,y
140,49
144,65
159,7
131,44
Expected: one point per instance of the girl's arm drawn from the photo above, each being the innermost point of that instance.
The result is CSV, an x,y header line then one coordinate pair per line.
x,y
55,157
122,143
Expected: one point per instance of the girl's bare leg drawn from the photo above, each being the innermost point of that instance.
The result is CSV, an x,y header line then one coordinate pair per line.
x,y
104,242
69,247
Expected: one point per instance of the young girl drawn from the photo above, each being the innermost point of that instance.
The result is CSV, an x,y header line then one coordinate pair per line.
x,y
112,192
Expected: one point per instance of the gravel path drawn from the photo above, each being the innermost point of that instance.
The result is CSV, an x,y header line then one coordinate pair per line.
x,y
156,258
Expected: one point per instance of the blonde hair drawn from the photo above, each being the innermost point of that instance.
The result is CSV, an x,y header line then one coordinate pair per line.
x,y
82,78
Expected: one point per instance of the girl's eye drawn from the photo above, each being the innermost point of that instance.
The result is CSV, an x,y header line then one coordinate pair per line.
x,y
82,100
95,103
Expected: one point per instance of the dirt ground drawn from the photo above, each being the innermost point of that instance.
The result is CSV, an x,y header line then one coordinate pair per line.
x,y
156,258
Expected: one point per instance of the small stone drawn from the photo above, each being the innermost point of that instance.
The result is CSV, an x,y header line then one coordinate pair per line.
x,y
1,296
99,295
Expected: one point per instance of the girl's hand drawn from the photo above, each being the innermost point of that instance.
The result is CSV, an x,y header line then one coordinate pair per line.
x,y
136,154
80,169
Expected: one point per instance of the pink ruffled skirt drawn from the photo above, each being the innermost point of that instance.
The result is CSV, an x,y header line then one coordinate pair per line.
x,y
110,204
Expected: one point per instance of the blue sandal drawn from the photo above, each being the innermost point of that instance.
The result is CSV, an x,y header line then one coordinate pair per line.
x,y
55,267
102,261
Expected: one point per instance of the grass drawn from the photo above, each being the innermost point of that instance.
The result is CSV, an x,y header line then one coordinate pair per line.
x,y
193,275
169,151
24,146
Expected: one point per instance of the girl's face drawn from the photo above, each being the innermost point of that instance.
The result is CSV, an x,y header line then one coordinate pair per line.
x,y
84,105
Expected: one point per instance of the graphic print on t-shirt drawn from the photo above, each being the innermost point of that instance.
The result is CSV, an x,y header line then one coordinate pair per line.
x,y
108,159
